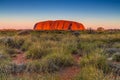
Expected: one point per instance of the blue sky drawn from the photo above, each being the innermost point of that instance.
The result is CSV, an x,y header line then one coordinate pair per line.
x,y
24,14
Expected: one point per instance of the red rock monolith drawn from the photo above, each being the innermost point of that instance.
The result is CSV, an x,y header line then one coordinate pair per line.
x,y
59,25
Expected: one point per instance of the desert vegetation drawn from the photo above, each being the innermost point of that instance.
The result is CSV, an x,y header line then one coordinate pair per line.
x,y
59,55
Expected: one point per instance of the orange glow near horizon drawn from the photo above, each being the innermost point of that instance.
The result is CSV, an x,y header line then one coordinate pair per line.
x,y
26,24
31,26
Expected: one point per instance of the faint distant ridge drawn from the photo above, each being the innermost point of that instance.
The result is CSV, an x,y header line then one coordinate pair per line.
x,y
7,29
59,25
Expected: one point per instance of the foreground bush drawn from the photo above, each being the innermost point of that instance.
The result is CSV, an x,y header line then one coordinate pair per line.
x,y
36,51
4,67
96,59
92,73
50,63
116,57
56,61
89,73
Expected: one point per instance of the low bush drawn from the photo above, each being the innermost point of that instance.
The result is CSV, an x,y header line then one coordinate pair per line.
x,y
11,52
2,56
56,61
90,72
36,51
96,59
17,68
33,66
116,57
4,67
25,46
8,68
12,42
18,42
50,63
8,41
86,48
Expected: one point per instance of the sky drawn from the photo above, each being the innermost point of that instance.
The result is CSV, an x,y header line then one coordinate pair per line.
x,y
23,14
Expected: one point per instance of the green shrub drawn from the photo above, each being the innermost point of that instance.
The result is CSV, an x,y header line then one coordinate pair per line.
x,y
12,42
86,47
8,41
116,57
50,63
27,43
51,51
91,73
34,66
36,52
96,59
56,61
11,52
4,67
18,42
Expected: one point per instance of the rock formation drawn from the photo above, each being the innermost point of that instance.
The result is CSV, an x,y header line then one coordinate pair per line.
x,y
59,25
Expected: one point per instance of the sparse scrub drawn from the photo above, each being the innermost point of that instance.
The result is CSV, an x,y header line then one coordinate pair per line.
x,y
8,41
12,42
37,50
4,67
56,61
97,60
86,48
90,72
50,63
51,51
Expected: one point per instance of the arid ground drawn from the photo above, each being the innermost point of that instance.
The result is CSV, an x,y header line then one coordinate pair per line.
x,y
59,55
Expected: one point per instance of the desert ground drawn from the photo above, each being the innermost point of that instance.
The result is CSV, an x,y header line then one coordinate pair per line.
x,y
59,55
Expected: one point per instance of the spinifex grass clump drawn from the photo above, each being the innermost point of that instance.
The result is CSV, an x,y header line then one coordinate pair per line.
x,y
4,67
90,73
12,44
47,44
56,61
11,52
96,58
41,48
50,63
36,51
8,41
116,57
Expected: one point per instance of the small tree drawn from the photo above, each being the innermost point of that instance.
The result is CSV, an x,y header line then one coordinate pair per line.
x,y
100,29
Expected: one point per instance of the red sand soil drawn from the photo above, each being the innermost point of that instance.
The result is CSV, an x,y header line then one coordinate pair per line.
x,y
69,72
20,58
